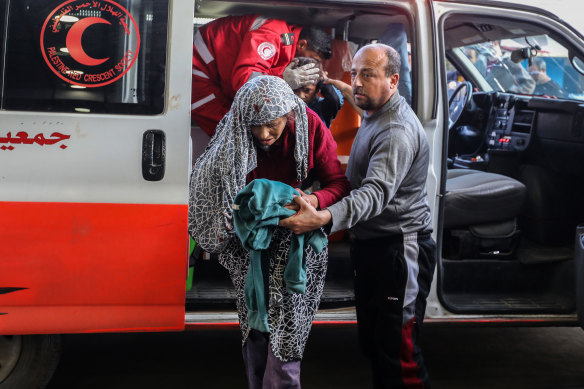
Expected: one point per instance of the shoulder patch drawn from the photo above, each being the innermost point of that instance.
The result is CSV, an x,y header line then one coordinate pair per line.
x,y
266,50
288,38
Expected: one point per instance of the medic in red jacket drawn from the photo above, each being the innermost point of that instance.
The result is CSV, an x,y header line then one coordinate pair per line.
x,y
229,51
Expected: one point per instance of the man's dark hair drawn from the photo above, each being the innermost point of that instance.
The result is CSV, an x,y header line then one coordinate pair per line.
x,y
393,64
318,40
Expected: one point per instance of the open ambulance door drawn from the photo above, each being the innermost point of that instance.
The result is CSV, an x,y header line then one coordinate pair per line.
x,y
510,128
94,165
579,271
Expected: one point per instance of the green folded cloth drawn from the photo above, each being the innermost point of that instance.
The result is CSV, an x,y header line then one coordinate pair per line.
x,y
257,209
191,268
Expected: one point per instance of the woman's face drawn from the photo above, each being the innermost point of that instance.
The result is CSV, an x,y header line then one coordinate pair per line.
x,y
268,133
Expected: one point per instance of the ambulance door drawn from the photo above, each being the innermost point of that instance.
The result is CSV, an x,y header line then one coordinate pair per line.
x,y
484,42
94,163
579,267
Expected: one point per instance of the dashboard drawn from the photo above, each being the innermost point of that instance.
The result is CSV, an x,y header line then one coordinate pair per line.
x,y
511,123
511,129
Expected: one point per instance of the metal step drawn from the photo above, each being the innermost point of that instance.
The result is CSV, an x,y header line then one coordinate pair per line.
x,y
517,303
222,292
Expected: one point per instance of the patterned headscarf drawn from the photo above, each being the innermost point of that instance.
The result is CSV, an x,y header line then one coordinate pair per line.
x,y
220,172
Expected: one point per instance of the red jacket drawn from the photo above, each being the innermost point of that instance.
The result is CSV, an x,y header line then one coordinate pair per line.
x,y
227,52
278,162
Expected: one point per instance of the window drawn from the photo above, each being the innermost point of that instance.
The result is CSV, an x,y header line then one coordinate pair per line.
x,y
101,56
532,65
453,78
2,28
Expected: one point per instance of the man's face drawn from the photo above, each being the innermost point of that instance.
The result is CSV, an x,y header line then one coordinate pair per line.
x,y
371,87
307,93
302,50
535,72
471,54
267,134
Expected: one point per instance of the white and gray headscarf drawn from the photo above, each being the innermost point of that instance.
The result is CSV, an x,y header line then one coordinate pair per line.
x,y
220,172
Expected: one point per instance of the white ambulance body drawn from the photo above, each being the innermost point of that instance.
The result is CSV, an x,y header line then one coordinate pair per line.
x,y
96,147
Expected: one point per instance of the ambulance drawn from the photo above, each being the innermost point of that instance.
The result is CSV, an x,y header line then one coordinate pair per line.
x,y
96,148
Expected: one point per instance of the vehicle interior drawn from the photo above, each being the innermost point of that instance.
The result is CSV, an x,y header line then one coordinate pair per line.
x,y
513,161
515,171
351,28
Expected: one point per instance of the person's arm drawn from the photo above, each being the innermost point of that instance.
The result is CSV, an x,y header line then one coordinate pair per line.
x,y
524,83
208,103
391,158
329,172
347,92
249,62
262,51
330,104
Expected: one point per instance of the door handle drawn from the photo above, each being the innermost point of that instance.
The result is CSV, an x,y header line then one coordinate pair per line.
x,y
153,155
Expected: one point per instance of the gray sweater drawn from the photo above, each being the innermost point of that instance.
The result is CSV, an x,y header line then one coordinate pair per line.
x,y
387,170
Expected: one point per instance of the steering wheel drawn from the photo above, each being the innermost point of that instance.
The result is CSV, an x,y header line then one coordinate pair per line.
x,y
458,103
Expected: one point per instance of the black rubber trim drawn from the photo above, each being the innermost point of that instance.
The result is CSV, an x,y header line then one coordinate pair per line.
x,y
519,7
438,51
7,290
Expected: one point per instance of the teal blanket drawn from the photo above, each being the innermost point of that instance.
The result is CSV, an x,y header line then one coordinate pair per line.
x,y
257,209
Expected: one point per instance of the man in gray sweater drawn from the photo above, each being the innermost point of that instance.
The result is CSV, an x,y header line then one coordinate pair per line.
x,y
389,218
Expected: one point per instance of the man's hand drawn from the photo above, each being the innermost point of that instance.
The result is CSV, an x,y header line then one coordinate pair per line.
x,y
300,76
306,219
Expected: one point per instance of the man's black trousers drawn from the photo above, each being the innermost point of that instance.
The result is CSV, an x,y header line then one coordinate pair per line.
x,y
392,281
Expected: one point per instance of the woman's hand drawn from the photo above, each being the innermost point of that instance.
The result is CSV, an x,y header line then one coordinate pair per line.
x,y
310,199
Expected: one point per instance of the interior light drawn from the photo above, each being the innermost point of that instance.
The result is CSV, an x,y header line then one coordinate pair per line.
x,y
64,49
68,19
74,72
78,86
84,110
201,21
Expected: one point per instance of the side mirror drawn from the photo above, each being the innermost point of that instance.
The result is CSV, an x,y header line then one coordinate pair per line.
x,y
578,64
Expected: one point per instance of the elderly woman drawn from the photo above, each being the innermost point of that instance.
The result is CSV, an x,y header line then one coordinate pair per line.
x,y
268,133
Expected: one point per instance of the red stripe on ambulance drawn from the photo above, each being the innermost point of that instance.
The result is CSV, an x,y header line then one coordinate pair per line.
x,y
92,267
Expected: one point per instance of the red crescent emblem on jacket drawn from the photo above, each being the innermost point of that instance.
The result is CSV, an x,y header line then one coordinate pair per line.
x,y
266,50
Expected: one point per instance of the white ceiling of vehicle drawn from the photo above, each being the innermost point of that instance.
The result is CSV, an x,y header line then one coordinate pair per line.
x,y
365,23
564,9
463,30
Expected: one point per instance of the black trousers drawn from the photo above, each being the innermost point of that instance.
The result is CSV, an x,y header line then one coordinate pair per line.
x,y
392,281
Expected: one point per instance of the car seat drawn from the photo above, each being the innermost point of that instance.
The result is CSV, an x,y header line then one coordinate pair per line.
x,y
480,214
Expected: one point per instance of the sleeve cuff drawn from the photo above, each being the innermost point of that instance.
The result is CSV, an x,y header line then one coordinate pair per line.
x,y
338,213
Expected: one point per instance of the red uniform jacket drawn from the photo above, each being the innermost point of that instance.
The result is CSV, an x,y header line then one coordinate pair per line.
x,y
278,162
227,52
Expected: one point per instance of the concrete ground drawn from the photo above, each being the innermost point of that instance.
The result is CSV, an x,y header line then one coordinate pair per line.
x,y
457,358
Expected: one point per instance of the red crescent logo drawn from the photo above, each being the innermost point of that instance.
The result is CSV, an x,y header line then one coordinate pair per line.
x,y
266,50
73,41
65,32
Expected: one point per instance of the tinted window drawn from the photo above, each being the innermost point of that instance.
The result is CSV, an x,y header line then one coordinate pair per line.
x,y
2,28
507,66
86,56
